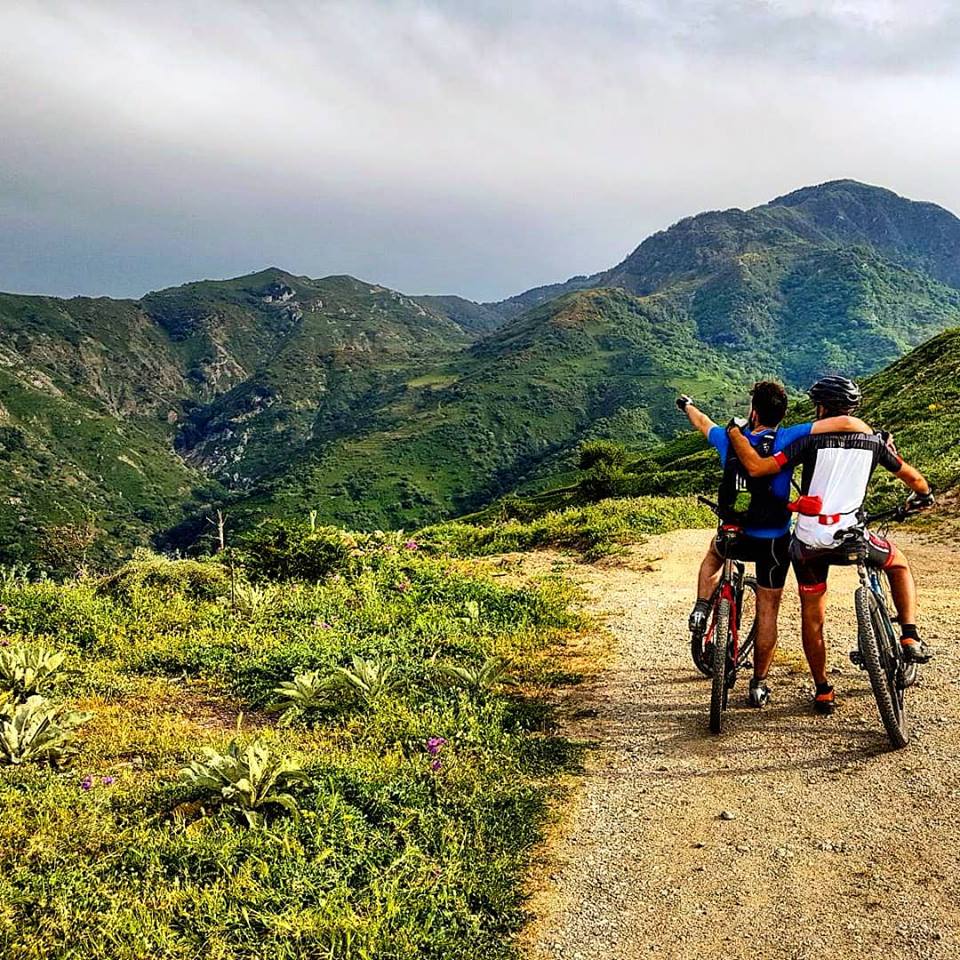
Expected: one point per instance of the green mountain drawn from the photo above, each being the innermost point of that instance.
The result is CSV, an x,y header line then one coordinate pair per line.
x,y
916,398
136,413
374,408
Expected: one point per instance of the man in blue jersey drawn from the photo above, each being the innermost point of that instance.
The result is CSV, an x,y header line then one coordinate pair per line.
x,y
765,537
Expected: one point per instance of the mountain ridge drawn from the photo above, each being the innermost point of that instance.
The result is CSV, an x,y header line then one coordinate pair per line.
x,y
272,391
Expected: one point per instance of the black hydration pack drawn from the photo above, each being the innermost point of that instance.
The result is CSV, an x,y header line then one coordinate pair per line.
x,y
747,501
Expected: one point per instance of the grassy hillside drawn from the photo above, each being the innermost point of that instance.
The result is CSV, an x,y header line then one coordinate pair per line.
x,y
130,414
918,400
386,807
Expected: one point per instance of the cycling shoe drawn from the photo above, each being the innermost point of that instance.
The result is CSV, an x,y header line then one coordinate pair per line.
x,y
698,616
824,701
916,652
759,693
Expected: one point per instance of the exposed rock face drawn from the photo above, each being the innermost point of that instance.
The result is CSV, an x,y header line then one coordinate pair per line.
x,y
278,292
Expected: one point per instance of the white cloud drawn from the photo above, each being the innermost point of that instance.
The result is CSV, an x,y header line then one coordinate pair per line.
x,y
476,147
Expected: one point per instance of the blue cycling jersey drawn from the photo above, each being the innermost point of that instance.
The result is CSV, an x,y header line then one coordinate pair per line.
x,y
780,484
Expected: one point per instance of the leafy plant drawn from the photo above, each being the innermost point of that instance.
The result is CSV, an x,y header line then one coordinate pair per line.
x,y
484,678
25,669
368,680
245,779
284,550
252,601
14,575
306,693
38,730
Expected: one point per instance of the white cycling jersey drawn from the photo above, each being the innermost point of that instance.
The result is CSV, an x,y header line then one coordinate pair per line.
x,y
836,468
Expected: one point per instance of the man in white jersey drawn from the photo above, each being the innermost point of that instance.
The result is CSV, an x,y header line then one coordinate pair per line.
x,y
836,469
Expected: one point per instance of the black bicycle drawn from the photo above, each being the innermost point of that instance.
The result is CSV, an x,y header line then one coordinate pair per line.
x,y
718,651
879,651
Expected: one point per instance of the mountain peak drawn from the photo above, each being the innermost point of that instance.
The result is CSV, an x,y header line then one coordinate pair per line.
x,y
835,189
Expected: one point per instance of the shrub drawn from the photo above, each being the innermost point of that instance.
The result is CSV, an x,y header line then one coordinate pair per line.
x,y
595,529
605,452
246,780
193,579
283,550
38,730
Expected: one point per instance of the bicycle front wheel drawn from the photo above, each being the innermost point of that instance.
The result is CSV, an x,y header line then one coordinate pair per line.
x,y
875,635
721,654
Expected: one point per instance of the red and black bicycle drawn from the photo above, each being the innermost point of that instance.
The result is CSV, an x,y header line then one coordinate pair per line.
x,y
725,646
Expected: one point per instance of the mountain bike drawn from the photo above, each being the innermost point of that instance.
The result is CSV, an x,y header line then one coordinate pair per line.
x,y
878,649
719,651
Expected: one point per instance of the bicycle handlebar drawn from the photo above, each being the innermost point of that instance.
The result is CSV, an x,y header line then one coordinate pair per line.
x,y
894,513
709,503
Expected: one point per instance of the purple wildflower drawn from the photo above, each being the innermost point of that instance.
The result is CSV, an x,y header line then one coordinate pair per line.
x,y
436,764
108,781
4,642
86,783
412,545
434,744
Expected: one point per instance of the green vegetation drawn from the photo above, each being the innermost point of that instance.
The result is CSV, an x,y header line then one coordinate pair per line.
x,y
918,400
272,394
595,529
157,809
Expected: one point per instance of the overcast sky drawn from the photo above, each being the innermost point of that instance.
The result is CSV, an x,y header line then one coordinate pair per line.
x,y
478,147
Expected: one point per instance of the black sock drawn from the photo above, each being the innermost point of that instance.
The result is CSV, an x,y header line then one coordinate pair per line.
x,y
908,631
824,687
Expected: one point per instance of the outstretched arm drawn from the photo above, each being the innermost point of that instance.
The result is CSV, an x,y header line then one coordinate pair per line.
x,y
913,478
698,419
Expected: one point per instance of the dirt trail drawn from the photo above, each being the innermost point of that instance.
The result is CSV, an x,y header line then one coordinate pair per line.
x,y
838,847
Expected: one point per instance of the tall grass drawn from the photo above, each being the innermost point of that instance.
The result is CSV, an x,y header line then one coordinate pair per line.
x,y
595,529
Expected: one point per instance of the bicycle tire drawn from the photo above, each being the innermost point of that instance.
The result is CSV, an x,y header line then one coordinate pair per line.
x,y
889,701
721,644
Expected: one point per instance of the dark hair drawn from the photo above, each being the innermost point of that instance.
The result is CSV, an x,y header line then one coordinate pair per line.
x,y
770,402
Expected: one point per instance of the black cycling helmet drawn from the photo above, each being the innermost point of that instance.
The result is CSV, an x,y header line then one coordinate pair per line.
x,y
835,393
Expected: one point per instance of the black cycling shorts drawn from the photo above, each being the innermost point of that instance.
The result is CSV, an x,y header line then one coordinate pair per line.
x,y
811,564
771,555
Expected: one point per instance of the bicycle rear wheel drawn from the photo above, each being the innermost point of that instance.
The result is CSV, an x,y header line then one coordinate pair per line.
x,y
721,655
875,637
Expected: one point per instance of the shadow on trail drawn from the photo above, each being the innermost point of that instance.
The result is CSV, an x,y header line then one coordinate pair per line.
x,y
667,716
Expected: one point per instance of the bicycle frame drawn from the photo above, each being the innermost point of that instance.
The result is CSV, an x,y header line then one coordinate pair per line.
x,y
731,589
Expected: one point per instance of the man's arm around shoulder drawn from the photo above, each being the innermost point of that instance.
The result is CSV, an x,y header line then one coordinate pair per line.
x,y
842,424
753,463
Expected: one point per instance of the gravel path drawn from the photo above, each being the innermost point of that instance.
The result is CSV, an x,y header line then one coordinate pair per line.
x,y
789,836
